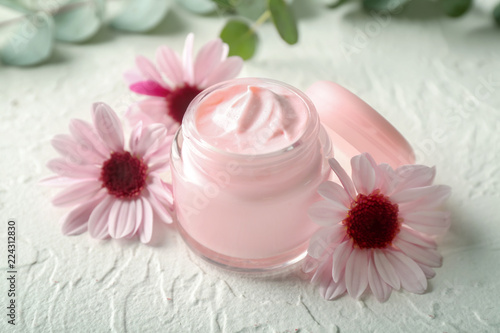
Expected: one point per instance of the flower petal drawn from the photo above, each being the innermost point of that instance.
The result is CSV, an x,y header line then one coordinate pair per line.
x,y
169,63
67,169
86,136
379,288
333,289
108,126
72,151
416,238
334,192
149,71
323,274
225,71
430,222
146,229
310,264
343,177
356,273
323,239
363,174
429,272
339,259
75,222
385,269
149,88
410,176
428,196
421,255
98,220
207,59
150,111
327,212
79,192
410,274
161,211
187,59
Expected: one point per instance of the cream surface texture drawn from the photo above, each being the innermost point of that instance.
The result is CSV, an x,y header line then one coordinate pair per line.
x,y
435,79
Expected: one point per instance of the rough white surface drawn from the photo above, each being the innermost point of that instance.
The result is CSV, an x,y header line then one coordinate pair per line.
x,y
435,79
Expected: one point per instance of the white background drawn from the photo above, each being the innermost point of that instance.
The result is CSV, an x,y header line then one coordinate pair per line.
x,y
436,79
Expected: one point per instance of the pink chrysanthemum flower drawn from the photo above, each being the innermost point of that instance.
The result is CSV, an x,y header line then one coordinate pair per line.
x,y
378,229
117,192
173,83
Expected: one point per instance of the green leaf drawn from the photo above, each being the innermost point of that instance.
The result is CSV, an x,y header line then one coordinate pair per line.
x,y
380,5
284,20
141,15
251,9
337,3
224,4
31,42
14,4
79,21
199,6
496,14
240,37
456,8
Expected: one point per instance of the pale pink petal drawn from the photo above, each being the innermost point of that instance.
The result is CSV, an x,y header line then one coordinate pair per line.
x,y
333,289
86,136
379,288
410,176
430,222
146,229
363,174
98,220
310,264
416,238
72,151
160,210
75,222
225,71
340,258
125,220
343,177
150,111
428,196
385,269
163,192
421,255
58,181
323,274
108,126
151,137
77,193
334,192
429,272
138,215
225,52
387,178
169,63
67,169
113,218
324,239
410,274
133,75
187,60
327,212
207,59
356,273
149,71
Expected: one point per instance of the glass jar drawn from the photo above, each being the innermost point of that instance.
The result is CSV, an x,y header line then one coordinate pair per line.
x,y
242,202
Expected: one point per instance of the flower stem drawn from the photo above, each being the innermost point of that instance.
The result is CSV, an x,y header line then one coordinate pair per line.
x,y
263,18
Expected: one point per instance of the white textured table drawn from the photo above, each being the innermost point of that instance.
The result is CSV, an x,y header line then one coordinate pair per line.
x,y
436,79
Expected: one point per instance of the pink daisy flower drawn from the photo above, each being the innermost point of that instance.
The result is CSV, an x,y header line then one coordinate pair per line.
x,y
378,229
117,192
172,83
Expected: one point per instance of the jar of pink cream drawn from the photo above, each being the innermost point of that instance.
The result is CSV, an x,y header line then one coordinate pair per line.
x,y
246,164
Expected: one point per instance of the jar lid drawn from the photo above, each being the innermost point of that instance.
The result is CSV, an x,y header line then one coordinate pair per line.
x,y
355,127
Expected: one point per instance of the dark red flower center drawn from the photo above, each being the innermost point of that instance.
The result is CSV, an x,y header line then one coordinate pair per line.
x,y
124,175
372,221
178,100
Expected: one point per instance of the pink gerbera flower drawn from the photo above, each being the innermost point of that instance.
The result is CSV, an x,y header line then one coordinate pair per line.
x,y
173,83
116,192
378,229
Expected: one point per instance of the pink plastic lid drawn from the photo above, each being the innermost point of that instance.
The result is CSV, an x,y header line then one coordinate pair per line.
x,y
355,127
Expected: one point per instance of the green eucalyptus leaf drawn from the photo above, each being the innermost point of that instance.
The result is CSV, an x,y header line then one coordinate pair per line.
x,y
284,20
224,4
251,9
30,42
141,15
79,21
381,5
337,3
456,8
199,6
496,14
14,4
240,37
